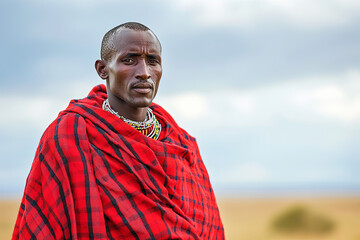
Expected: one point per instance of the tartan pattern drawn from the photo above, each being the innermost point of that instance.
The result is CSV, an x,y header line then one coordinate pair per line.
x,y
95,177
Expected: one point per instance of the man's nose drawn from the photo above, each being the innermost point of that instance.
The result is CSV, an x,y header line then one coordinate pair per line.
x,y
142,71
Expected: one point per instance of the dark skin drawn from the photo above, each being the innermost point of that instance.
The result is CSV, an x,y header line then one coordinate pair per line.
x,y
133,73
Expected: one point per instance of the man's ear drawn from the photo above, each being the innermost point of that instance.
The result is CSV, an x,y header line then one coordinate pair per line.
x,y
101,69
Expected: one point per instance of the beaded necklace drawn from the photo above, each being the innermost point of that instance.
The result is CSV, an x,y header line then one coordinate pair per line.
x,y
150,127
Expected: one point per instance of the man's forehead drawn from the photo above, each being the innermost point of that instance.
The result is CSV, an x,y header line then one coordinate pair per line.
x,y
125,37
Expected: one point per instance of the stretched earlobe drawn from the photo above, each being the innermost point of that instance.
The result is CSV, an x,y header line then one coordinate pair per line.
x,y
101,69
103,75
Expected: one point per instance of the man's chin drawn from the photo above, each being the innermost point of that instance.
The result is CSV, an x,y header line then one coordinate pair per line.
x,y
142,103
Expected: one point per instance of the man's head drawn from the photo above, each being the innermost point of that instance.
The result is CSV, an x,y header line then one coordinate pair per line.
x,y
107,46
131,65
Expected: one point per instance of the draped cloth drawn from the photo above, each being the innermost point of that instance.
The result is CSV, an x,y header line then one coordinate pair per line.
x,y
96,177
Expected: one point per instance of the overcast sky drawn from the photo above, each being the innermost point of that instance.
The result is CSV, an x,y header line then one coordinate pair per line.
x,y
270,88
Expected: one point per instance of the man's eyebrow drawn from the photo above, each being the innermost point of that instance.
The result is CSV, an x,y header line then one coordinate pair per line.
x,y
153,56
132,55
138,54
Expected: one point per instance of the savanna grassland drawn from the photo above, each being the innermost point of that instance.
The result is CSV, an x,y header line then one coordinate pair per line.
x,y
8,213
253,218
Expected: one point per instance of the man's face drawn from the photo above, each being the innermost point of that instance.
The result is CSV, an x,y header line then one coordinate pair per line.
x,y
135,70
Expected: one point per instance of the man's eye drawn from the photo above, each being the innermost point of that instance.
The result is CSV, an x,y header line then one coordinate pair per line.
x,y
128,60
153,61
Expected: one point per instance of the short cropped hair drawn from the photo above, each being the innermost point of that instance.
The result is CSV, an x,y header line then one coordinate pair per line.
x,y
108,46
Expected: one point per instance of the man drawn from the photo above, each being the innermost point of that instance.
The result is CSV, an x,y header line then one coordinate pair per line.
x,y
114,165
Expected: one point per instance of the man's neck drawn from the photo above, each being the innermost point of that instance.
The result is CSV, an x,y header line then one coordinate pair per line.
x,y
132,113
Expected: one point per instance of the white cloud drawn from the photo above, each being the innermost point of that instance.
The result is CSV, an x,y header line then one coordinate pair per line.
x,y
330,97
246,13
33,112
330,101
188,105
38,111
314,100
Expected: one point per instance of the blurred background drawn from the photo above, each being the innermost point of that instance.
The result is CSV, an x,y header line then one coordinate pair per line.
x,y
270,89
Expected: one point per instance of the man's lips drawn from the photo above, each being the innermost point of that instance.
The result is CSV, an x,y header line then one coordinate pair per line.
x,y
143,87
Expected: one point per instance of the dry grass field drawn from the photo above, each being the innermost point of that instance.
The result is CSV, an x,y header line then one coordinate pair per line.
x,y
8,210
250,219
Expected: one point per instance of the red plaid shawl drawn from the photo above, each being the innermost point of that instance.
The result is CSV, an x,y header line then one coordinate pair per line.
x,y
95,177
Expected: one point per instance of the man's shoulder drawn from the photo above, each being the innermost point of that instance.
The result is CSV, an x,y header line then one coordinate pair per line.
x,y
64,124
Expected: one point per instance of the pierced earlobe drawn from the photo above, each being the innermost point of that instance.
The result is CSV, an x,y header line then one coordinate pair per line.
x,y
100,67
103,75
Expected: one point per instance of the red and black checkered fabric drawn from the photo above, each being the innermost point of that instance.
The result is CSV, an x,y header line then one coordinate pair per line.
x,y
96,177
